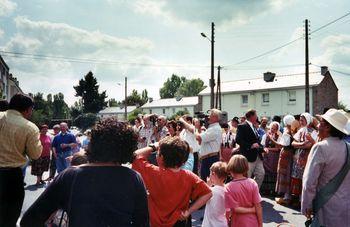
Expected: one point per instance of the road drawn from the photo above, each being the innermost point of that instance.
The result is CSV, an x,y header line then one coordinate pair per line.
x,y
273,213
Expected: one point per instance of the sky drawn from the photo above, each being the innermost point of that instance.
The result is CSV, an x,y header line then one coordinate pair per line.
x,y
149,40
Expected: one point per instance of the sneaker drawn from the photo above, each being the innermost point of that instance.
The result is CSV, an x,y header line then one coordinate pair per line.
x,y
282,201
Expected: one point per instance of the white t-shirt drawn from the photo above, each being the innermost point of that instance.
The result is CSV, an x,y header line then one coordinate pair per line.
x,y
190,138
214,214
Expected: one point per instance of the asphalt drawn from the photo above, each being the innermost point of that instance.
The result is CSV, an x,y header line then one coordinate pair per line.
x,y
273,213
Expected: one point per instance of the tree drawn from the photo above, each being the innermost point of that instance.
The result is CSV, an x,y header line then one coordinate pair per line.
x,y
178,114
135,98
190,88
342,106
87,89
42,113
132,116
171,86
60,108
85,121
76,109
113,103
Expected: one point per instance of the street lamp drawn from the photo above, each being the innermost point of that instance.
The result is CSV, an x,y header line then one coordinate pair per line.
x,y
211,81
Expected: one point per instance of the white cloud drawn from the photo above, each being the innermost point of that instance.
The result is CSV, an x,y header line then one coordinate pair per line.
x,y
58,39
7,7
201,12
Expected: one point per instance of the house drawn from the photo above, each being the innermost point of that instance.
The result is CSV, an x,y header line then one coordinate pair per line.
x,y
170,106
276,95
4,77
13,86
118,112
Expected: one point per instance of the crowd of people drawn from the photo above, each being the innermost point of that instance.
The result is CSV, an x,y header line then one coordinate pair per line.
x,y
157,172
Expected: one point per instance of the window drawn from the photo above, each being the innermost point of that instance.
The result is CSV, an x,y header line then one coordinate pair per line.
x,y
292,96
173,110
150,111
186,110
244,100
265,98
163,111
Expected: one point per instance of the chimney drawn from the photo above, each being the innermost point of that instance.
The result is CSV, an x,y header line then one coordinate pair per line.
x,y
150,99
269,76
324,70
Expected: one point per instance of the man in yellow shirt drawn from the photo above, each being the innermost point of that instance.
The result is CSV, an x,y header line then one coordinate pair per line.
x,y
18,137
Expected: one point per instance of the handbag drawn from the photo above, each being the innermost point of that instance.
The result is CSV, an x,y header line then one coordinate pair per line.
x,y
327,191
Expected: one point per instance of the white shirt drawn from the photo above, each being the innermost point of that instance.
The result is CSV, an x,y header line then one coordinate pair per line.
x,y
190,138
214,214
211,139
227,137
252,127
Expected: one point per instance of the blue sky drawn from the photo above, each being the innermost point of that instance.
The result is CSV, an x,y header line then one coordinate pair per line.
x,y
163,37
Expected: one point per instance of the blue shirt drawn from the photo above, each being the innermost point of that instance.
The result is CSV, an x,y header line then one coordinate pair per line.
x,y
63,138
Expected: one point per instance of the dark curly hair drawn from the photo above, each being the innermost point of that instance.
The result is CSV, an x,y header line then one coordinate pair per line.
x,y
112,141
174,151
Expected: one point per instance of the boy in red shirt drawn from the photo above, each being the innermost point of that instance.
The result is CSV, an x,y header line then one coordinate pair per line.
x,y
170,188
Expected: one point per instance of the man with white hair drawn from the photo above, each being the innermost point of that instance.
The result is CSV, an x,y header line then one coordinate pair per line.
x,y
62,146
210,142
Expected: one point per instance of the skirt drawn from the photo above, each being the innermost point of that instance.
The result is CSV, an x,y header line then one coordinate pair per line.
x,y
40,165
284,171
299,164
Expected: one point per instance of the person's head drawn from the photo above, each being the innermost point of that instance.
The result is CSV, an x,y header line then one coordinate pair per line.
x,y
214,116
173,152
63,127
146,120
235,122
295,126
56,129
225,127
274,127
251,116
333,123
161,121
238,164
256,124
43,129
305,119
276,118
243,119
4,105
138,121
23,104
79,159
171,126
288,120
218,172
188,119
196,123
112,141
88,133
264,121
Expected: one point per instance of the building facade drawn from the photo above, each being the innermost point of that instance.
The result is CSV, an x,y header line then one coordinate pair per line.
x,y
4,77
13,87
169,107
283,95
117,112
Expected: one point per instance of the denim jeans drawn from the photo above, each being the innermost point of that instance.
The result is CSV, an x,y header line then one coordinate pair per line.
x,y
61,162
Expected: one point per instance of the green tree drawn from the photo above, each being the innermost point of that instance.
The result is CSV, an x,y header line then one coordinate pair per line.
x,y
190,88
342,106
178,114
113,103
85,121
135,99
76,109
87,89
132,116
171,86
42,113
60,108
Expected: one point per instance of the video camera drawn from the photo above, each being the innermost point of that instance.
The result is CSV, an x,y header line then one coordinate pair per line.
x,y
203,118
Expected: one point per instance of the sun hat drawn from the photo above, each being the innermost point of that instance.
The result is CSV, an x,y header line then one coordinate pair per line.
x,y
288,120
337,119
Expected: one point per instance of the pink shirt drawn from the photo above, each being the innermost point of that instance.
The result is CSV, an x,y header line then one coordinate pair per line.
x,y
242,193
46,143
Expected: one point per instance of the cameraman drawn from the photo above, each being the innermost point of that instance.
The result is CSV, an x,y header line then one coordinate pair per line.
x,y
188,134
145,133
210,143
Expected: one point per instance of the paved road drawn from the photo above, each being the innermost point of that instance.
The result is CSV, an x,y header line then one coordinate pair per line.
x,y
273,214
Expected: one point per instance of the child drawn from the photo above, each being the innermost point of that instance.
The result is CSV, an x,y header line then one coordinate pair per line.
x,y
214,214
242,192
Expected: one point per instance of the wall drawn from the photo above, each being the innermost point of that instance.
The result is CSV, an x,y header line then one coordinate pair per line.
x,y
325,95
169,111
278,103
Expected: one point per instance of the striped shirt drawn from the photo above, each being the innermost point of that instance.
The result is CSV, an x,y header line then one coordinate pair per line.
x,y
18,138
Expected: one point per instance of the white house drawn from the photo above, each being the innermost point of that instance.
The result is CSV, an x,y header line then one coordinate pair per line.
x,y
118,112
280,95
170,106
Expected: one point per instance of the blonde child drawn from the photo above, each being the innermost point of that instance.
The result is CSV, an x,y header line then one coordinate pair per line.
x,y
242,193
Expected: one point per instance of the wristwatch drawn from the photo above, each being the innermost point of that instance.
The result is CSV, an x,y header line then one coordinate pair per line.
x,y
154,149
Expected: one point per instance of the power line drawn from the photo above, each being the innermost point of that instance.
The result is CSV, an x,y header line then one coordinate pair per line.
x,y
334,70
291,42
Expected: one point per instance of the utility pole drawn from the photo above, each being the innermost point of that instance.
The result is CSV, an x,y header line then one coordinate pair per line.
x,y
307,95
218,91
212,81
126,100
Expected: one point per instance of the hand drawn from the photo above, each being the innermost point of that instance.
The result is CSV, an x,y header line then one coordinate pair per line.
x,y
255,145
54,154
266,150
209,182
308,213
63,145
184,215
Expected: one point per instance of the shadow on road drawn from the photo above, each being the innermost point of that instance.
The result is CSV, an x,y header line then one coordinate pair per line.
x,y
34,187
270,214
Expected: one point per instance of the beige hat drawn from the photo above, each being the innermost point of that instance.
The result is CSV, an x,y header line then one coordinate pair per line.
x,y
337,119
